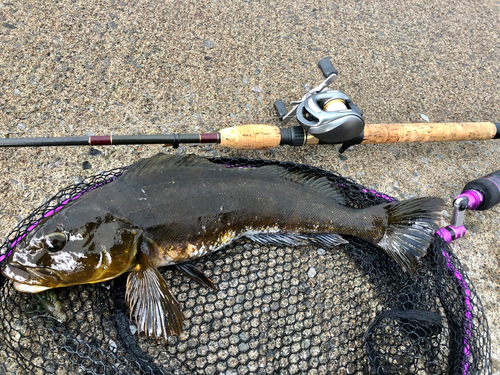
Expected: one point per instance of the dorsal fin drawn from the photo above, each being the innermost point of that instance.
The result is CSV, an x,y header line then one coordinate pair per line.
x,y
160,162
313,181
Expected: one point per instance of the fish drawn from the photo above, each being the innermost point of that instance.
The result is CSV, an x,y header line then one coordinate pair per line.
x,y
48,302
170,210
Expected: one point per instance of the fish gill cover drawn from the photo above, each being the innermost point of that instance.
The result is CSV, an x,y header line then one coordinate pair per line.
x,y
347,310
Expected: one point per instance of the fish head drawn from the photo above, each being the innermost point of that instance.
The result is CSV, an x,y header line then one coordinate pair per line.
x,y
71,248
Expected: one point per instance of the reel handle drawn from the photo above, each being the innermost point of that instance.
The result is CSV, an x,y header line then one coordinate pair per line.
x,y
326,67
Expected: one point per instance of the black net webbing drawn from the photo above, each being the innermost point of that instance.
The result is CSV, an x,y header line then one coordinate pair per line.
x,y
278,310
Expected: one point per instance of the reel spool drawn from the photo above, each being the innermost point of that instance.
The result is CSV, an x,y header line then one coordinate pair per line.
x,y
331,117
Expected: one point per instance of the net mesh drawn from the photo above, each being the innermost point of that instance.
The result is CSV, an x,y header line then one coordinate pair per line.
x,y
307,310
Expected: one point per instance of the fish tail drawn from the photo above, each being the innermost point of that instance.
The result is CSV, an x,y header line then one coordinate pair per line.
x,y
410,230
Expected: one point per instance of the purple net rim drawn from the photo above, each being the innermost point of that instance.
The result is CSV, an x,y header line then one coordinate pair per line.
x,y
468,310
380,195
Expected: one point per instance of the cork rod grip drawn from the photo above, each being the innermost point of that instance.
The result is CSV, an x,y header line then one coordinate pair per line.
x,y
400,133
250,137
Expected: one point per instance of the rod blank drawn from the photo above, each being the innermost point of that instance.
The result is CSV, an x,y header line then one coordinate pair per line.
x,y
107,140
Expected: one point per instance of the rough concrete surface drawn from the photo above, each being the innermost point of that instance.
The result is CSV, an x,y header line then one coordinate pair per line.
x,y
185,66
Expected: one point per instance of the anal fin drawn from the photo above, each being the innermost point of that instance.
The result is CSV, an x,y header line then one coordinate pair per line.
x,y
279,239
195,274
328,239
297,239
154,309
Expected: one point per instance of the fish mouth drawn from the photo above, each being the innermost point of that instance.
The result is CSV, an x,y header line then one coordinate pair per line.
x,y
30,279
27,288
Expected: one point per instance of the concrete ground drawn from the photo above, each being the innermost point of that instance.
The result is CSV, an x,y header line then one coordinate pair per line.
x,y
146,67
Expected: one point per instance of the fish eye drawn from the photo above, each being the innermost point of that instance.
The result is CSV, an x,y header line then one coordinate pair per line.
x,y
55,241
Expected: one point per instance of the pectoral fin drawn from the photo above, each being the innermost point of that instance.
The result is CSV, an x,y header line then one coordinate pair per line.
x,y
195,274
154,309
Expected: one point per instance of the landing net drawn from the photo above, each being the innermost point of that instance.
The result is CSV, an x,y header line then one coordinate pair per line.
x,y
305,310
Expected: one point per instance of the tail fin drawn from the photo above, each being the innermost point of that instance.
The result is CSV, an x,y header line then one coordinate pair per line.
x,y
410,229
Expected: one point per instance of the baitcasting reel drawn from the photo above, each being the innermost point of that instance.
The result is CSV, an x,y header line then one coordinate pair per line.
x,y
328,115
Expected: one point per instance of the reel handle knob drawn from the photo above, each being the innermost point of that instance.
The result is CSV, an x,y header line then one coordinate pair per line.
x,y
280,108
326,67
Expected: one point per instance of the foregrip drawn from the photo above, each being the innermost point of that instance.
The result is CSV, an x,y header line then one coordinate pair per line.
x,y
250,137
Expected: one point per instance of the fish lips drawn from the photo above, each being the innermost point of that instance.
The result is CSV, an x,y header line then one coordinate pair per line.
x,y
30,279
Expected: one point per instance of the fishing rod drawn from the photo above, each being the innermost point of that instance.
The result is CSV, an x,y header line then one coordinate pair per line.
x,y
261,137
325,117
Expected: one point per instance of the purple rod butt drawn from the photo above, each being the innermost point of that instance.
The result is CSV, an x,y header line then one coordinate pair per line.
x,y
475,198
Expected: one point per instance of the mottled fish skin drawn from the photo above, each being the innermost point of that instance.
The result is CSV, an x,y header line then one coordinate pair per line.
x,y
167,210
190,212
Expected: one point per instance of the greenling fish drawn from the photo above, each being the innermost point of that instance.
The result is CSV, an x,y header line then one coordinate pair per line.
x,y
169,210
48,302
